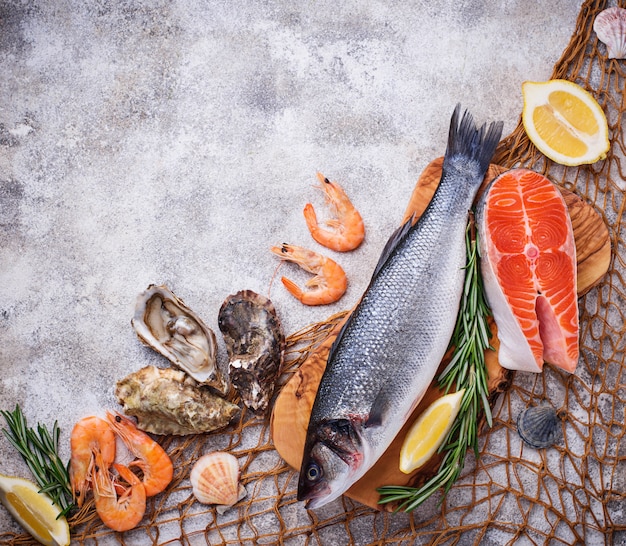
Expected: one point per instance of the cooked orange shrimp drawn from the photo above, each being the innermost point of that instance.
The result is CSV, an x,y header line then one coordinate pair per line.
x,y
119,506
153,461
330,281
347,229
89,435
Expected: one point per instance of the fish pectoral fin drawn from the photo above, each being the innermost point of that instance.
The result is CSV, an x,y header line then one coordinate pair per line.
x,y
378,410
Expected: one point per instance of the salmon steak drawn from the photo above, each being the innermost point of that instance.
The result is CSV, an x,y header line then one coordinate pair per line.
x,y
528,264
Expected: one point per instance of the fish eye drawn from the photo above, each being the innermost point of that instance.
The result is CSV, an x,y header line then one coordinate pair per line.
x,y
313,472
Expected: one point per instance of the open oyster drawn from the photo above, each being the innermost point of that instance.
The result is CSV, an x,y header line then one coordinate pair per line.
x,y
164,323
255,343
166,401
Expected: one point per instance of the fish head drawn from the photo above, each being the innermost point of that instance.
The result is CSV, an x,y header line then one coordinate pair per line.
x,y
333,454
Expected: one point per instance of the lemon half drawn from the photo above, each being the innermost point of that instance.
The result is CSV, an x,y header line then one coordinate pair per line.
x,y
564,122
34,511
429,431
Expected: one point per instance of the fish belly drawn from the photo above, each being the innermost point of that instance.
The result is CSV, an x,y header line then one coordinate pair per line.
x,y
529,271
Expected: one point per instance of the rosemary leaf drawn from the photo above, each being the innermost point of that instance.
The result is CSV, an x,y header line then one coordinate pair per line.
x,y
40,449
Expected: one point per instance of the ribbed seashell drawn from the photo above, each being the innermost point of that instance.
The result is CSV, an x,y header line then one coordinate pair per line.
x,y
215,480
539,426
610,26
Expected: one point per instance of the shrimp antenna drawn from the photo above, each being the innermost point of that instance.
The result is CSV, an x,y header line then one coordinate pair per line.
x,y
269,288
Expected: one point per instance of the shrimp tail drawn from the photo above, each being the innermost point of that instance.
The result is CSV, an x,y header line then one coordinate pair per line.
x,y
293,288
310,217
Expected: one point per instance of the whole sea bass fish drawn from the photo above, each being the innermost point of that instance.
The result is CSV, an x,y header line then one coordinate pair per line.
x,y
388,352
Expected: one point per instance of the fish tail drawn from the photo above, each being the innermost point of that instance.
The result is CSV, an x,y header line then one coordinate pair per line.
x,y
469,142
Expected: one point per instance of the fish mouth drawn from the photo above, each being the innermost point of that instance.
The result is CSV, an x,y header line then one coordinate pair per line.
x,y
315,497
317,501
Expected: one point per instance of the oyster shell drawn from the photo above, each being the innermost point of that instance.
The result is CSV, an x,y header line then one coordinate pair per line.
x,y
163,322
166,401
215,480
539,426
610,26
255,343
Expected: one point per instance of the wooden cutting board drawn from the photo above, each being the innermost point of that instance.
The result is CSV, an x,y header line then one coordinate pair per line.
x,y
290,416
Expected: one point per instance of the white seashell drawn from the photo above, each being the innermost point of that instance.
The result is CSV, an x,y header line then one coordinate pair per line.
x,y
610,26
215,480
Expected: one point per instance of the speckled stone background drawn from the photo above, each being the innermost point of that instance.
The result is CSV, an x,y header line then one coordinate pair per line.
x,y
175,142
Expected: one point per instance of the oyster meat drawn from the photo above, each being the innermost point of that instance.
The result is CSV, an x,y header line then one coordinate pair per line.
x,y
163,322
255,343
166,401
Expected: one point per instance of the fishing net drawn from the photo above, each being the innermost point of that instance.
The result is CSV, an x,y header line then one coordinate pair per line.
x,y
572,493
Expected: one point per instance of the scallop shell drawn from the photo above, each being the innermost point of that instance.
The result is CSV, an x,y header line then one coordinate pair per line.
x,y
163,322
255,342
215,480
610,26
539,426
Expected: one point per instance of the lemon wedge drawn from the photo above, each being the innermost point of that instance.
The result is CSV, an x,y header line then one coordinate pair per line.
x,y
429,431
34,511
564,122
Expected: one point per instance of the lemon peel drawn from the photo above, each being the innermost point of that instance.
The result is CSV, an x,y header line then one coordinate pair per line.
x,y
34,511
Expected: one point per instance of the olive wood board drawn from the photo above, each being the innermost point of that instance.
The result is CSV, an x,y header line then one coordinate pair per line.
x,y
290,416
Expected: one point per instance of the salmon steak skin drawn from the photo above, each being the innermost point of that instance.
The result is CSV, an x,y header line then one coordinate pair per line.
x,y
528,265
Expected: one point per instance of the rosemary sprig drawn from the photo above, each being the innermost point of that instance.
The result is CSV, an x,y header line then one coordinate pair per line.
x,y
40,451
467,371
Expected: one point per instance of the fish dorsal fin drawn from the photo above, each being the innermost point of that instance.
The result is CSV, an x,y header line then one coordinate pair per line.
x,y
396,237
335,344
378,410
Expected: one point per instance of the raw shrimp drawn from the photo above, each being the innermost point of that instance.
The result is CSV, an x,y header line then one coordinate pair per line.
x,y
120,512
330,281
89,435
347,229
153,461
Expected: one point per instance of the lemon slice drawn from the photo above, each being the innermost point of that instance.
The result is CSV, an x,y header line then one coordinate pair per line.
x,y
34,511
429,431
564,122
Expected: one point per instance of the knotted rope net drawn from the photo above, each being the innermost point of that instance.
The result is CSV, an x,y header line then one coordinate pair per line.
x,y
571,493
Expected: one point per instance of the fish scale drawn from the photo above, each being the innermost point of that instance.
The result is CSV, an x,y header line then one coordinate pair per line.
x,y
388,352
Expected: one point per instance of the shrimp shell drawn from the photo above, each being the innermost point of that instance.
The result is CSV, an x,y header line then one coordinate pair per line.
x,y
89,436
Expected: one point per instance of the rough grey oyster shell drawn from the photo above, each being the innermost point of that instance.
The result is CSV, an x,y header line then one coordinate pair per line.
x,y
163,322
539,426
166,401
255,343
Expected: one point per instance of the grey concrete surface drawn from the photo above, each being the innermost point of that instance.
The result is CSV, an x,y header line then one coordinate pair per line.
x,y
175,142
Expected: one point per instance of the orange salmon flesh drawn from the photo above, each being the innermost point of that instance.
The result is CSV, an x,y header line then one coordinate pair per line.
x,y
529,267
